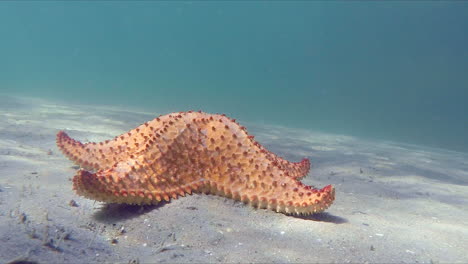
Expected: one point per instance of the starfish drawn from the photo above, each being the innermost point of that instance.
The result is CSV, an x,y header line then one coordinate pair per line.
x,y
180,153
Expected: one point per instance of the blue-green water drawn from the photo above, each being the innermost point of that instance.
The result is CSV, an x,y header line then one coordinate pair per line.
x,y
395,70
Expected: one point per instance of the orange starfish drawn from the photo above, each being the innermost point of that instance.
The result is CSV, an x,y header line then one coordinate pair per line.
x,y
187,152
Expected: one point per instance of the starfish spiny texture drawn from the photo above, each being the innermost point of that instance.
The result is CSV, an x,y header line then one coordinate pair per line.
x,y
187,152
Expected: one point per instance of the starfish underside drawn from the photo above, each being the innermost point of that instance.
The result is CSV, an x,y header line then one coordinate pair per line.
x,y
180,153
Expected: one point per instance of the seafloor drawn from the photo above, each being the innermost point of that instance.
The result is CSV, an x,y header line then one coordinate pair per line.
x,y
394,203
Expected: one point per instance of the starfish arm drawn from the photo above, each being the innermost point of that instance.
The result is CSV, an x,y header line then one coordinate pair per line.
x,y
297,170
290,198
103,155
74,150
113,187
91,155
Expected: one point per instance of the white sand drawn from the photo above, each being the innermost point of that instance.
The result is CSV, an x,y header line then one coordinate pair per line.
x,y
409,204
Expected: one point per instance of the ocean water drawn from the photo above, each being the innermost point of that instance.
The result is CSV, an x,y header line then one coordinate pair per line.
x,y
392,70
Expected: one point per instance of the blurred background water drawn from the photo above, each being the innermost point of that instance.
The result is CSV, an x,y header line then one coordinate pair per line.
x,y
394,70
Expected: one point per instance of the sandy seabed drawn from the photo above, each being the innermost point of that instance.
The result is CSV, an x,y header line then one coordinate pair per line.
x,y
395,203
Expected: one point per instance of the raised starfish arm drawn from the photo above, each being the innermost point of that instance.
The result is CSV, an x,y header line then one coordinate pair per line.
x,y
104,154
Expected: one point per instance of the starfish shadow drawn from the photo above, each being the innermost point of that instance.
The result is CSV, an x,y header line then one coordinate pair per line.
x,y
111,213
323,217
